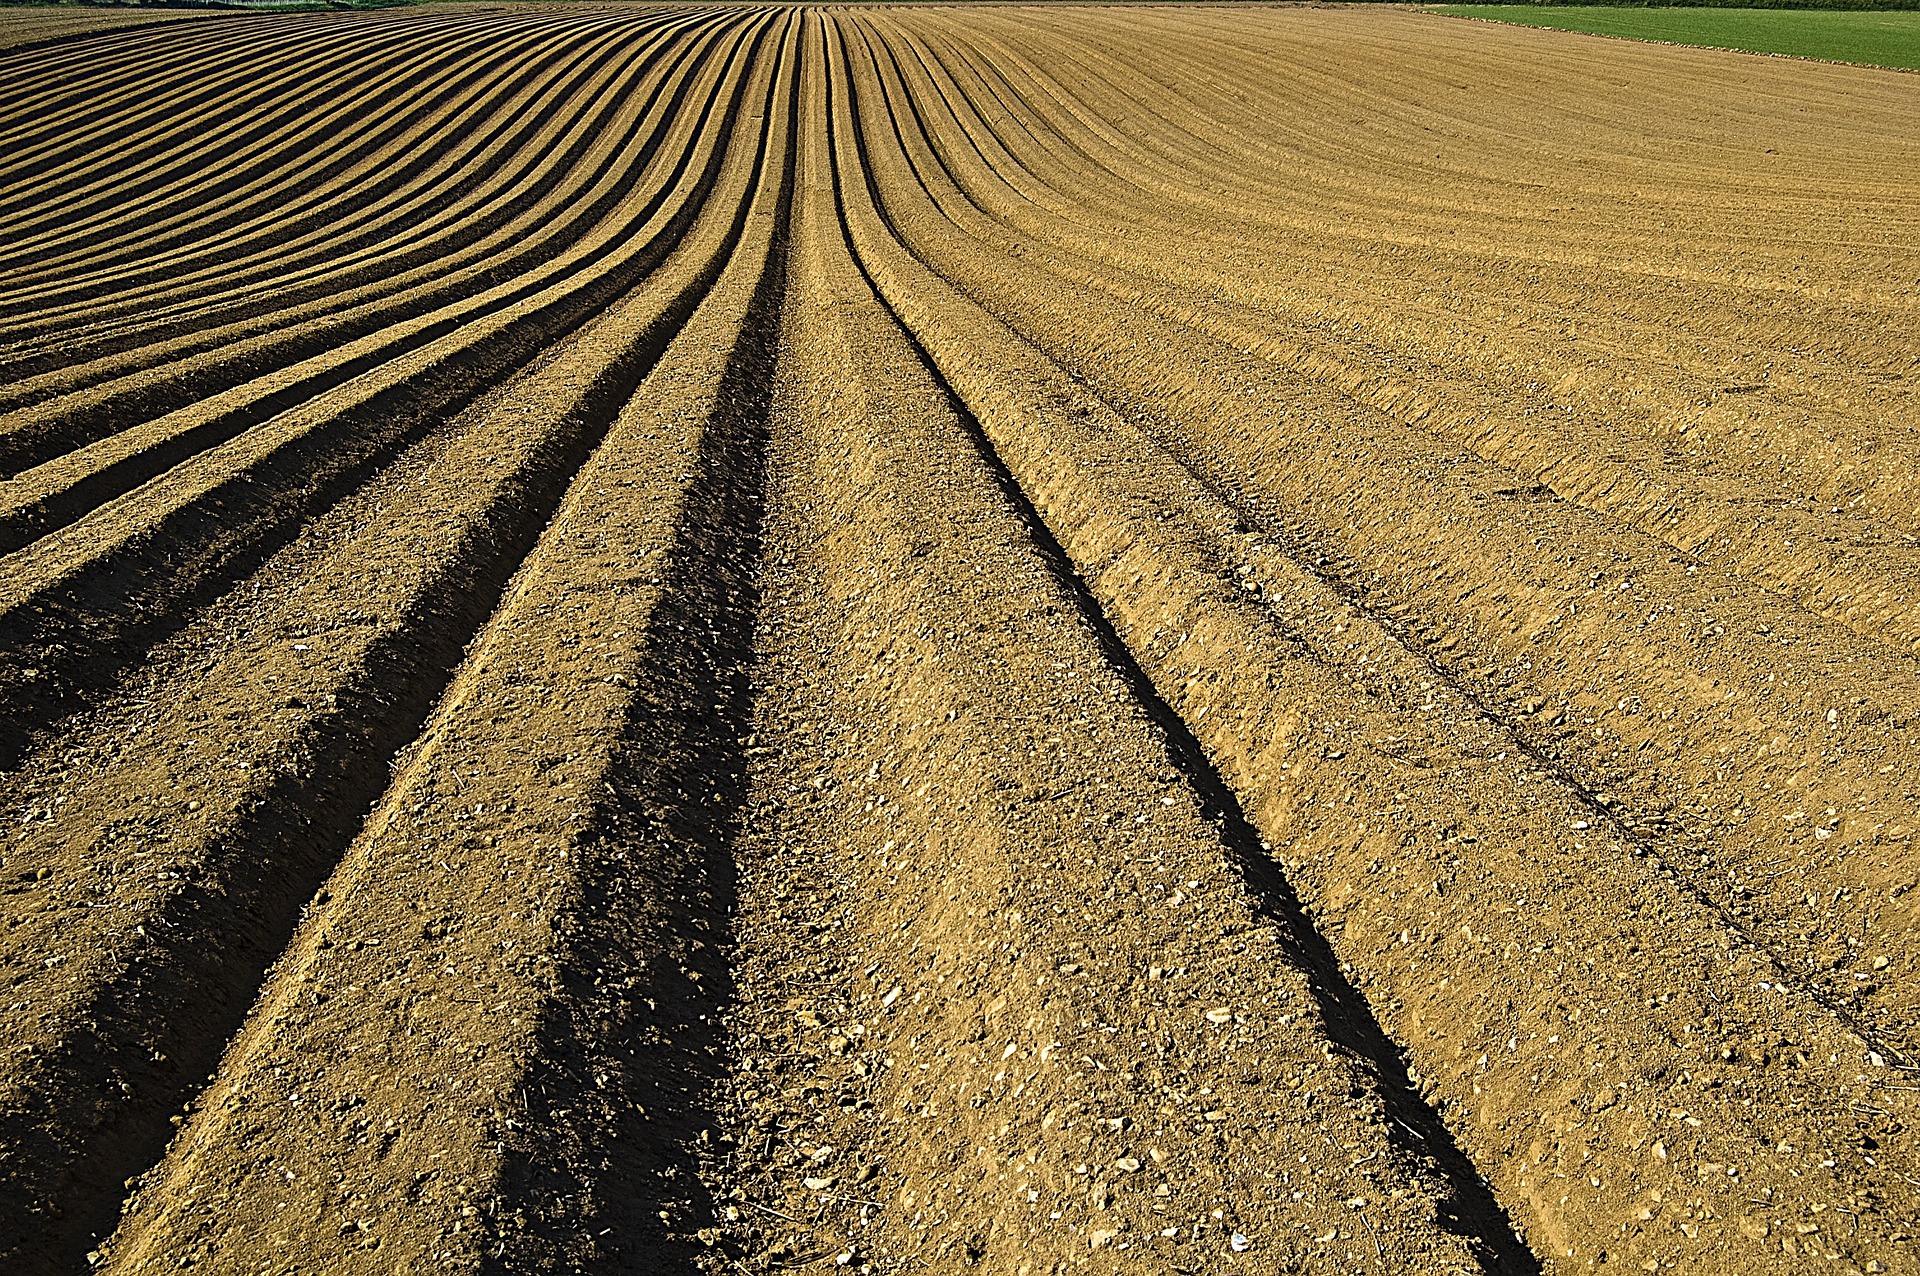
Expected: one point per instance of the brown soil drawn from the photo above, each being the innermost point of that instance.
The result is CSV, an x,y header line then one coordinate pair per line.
x,y
1058,639
30,26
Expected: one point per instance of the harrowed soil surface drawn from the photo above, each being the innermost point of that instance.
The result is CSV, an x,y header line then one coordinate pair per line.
x,y
34,24
1055,639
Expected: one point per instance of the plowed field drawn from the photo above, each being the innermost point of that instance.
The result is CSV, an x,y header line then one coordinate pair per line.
x,y
645,639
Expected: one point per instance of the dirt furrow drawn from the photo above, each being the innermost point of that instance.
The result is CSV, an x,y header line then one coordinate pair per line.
x,y
323,202
81,392
1482,632
204,188
240,74
1744,530
1862,572
1676,1016
344,641
214,375
1659,626
359,188
87,64
1048,639
1813,444
551,793
946,754
66,182
1325,240
45,31
96,593
444,197
42,114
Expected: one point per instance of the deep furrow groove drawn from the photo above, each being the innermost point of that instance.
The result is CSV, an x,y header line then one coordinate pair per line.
x,y
348,217
249,329
341,774
1478,1216
380,261
1718,906
126,595
1132,639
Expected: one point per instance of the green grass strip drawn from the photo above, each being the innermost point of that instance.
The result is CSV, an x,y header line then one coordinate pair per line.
x,y
1877,38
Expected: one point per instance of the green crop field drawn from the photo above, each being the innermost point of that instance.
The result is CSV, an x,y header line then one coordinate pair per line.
x,y
1874,38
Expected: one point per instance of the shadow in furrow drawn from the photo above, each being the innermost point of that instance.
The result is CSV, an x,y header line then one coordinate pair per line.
x,y
154,396
619,1100
158,229
1526,740
1307,557
159,395
72,642
151,1037
1471,1213
52,42
1471,1210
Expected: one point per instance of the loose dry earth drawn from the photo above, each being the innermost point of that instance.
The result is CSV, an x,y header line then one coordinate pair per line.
x,y
25,26
1115,640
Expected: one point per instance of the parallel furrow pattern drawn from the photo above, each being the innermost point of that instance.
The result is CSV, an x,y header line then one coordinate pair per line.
x,y
1134,639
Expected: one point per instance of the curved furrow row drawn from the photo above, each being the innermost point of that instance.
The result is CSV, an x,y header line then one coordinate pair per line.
x,y
1044,639
198,213
80,600
1475,823
1644,665
671,491
633,171
1308,192
504,132
317,309
158,71
229,163
1245,338
1831,473
109,68
160,242
44,30
962,781
1694,518
250,89
1388,103
443,198
344,638
1723,325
